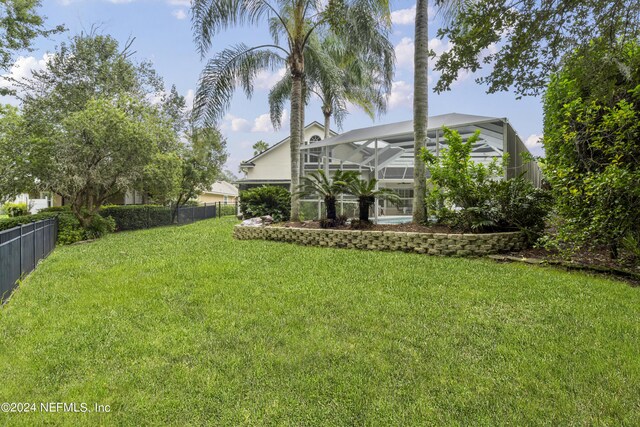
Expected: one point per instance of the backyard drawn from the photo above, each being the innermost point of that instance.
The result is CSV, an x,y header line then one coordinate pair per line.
x,y
184,325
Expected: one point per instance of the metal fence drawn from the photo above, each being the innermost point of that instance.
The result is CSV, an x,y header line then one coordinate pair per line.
x,y
21,248
189,214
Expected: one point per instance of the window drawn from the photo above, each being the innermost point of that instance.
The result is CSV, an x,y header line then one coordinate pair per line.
x,y
225,200
313,155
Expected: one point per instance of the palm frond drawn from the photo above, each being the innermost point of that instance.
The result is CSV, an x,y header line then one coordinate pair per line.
x,y
238,65
279,94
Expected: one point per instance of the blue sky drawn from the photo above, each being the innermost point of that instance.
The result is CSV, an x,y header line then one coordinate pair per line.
x,y
162,30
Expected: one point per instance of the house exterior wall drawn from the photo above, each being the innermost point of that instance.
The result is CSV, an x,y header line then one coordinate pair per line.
x,y
276,163
215,198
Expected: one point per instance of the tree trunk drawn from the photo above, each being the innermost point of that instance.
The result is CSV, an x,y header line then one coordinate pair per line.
x,y
364,203
295,139
420,109
327,122
330,203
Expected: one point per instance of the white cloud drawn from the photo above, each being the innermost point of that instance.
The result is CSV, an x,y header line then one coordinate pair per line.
x,y
23,68
262,123
179,14
266,79
405,51
188,98
235,124
408,16
183,3
401,95
534,141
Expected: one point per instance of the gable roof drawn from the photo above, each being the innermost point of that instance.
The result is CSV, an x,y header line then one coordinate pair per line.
x,y
315,122
223,187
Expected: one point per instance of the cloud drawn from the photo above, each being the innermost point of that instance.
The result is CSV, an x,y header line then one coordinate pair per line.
x,y
262,123
405,51
266,78
533,141
179,14
188,98
401,95
183,3
235,124
23,68
408,16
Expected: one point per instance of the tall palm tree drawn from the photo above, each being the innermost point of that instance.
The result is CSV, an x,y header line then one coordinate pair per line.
x,y
420,109
337,75
363,24
317,183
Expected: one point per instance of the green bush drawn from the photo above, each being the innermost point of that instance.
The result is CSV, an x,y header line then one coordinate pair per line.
x,y
266,200
69,230
227,210
56,209
135,217
16,209
7,223
591,134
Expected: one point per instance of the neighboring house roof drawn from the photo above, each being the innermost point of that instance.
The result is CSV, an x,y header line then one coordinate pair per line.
x,y
251,160
224,188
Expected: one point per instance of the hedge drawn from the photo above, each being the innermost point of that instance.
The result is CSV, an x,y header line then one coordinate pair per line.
x,y
15,221
135,217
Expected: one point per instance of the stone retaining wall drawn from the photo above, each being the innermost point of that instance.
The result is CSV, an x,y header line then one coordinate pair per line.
x,y
424,243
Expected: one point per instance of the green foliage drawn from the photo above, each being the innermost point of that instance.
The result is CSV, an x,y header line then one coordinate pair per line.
x,y
135,217
259,147
65,208
591,134
20,24
69,229
7,223
523,42
470,196
460,189
266,200
317,183
15,209
366,193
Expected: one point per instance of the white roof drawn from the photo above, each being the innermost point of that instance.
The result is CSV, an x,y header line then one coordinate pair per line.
x,y
224,188
401,130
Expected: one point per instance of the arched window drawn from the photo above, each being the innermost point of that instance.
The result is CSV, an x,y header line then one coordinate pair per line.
x,y
313,155
315,138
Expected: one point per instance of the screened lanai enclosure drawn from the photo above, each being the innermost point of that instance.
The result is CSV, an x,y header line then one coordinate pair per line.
x,y
386,152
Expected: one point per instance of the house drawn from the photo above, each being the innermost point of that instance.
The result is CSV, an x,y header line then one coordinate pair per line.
x,y
273,166
221,191
386,153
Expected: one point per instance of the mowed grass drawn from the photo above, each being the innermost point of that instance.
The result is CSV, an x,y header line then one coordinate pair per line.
x,y
186,326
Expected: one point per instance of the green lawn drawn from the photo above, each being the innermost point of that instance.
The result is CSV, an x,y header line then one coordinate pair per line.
x,y
184,325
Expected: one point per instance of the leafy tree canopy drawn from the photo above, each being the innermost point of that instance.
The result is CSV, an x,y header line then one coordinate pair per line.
x,y
591,140
19,25
530,38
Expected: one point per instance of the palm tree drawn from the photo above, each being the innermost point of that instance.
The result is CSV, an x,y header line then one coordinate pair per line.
x,y
420,109
363,24
367,194
337,76
318,183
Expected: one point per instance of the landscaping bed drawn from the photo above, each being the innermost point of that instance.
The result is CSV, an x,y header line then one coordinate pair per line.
x,y
407,227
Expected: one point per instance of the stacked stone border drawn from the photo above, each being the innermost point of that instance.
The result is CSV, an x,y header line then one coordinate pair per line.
x,y
424,243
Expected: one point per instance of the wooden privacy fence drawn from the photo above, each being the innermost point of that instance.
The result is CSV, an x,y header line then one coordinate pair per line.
x,y
21,248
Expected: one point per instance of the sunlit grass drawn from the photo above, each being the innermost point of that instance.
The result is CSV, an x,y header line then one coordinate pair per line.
x,y
184,325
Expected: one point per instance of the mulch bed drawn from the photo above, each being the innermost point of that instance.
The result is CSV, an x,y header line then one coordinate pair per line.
x,y
592,260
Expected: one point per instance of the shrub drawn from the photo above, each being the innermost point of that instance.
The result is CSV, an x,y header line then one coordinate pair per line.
x,y
266,200
135,217
16,209
516,203
56,209
69,229
8,223
227,210
591,134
